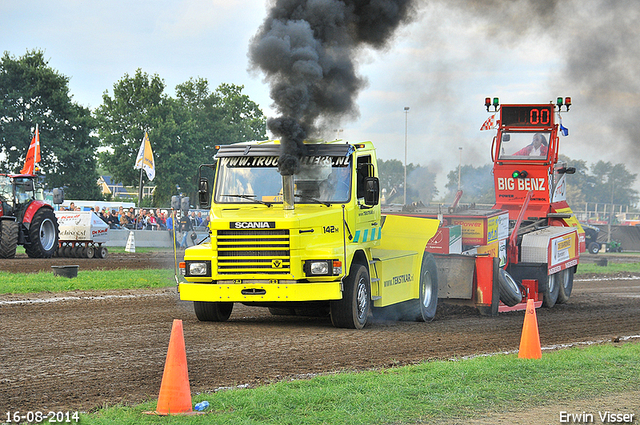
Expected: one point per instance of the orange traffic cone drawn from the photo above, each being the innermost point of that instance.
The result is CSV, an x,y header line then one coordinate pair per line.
x,y
175,394
530,339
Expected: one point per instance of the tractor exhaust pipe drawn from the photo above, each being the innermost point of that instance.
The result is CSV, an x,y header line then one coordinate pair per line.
x,y
288,192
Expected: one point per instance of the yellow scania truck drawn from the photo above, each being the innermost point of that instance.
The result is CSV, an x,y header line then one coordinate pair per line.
x,y
314,241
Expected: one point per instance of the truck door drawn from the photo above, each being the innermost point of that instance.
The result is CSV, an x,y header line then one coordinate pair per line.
x,y
368,218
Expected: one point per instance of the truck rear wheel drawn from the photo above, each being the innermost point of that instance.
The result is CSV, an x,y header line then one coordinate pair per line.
x,y
8,238
43,234
550,296
566,285
424,308
212,311
352,311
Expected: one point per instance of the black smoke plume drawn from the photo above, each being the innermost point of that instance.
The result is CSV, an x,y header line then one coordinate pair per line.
x,y
307,50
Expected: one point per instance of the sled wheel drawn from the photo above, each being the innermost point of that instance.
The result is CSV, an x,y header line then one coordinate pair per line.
x,y
8,238
43,234
212,311
352,311
566,285
550,296
594,247
102,252
91,251
510,293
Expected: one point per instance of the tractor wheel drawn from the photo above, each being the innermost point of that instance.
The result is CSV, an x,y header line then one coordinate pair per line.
x,y
424,308
566,285
510,293
43,234
212,311
352,311
550,296
594,247
8,238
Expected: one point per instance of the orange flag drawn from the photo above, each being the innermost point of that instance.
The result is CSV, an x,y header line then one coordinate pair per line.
x,y
33,155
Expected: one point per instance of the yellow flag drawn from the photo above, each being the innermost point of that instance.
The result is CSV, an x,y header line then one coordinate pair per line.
x,y
145,158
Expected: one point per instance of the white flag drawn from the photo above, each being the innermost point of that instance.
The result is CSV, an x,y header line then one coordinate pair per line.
x,y
145,158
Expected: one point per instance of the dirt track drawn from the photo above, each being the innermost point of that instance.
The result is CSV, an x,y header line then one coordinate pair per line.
x,y
82,353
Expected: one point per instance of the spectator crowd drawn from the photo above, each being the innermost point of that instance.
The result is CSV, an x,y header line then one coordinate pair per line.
x,y
148,219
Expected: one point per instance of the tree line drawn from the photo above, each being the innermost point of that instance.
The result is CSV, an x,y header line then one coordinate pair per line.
x,y
184,130
76,142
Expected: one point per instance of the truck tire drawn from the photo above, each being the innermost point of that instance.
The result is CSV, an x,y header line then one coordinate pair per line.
x,y
352,311
8,238
550,296
510,293
594,247
212,311
43,234
566,285
424,308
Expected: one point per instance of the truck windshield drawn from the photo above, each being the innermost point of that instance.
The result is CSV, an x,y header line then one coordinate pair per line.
x,y
524,145
257,180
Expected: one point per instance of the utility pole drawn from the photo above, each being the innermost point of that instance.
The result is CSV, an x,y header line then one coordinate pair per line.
x,y
406,121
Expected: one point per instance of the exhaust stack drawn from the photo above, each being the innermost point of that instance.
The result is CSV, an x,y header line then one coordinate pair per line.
x,y
288,192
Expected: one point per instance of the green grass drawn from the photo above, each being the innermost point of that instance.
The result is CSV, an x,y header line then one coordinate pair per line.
x,y
425,393
610,268
22,283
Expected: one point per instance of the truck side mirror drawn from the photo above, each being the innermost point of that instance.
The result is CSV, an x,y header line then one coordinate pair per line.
x,y
203,192
371,190
58,195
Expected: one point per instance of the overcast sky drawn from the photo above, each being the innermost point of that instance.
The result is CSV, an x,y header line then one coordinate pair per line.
x,y
442,66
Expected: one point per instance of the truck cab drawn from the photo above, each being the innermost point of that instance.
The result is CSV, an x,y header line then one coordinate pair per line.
x,y
308,241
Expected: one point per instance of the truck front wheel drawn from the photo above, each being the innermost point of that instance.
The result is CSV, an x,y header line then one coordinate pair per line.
x,y
352,311
212,311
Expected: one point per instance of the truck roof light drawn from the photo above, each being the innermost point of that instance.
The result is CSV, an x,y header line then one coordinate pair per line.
x,y
567,102
487,102
359,145
559,101
496,102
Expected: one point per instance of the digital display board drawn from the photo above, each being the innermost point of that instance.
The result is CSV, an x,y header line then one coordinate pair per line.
x,y
526,116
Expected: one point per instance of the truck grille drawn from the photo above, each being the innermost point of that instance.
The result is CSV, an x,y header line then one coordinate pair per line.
x,y
253,251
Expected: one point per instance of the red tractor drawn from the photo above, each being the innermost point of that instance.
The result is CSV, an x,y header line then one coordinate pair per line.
x,y
25,219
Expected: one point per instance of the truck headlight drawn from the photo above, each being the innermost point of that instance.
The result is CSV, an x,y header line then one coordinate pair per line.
x,y
198,268
322,267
